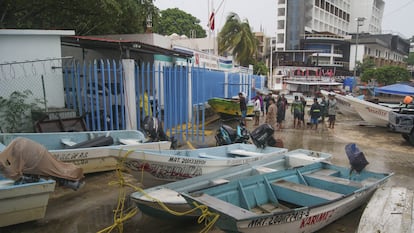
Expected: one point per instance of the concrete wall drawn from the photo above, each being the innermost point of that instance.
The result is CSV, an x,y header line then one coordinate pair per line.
x,y
26,56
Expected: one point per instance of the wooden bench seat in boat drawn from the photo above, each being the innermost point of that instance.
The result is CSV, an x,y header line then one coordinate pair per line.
x,y
245,153
302,195
269,208
336,180
225,207
207,156
326,172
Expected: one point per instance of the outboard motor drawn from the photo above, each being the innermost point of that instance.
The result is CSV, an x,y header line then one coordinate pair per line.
x,y
262,136
356,157
154,130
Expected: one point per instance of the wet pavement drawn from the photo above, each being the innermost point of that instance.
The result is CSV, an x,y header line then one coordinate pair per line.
x,y
91,208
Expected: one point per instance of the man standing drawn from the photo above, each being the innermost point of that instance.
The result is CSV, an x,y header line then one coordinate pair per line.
x,y
331,110
296,110
243,108
315,113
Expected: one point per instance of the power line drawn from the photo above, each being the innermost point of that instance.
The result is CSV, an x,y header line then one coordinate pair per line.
x,y
399,8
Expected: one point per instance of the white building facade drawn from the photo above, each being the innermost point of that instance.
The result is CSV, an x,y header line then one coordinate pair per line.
x,y
295,17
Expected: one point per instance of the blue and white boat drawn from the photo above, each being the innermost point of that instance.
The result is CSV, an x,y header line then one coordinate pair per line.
x,y
149,200
157,167
93,151
23,202
303,199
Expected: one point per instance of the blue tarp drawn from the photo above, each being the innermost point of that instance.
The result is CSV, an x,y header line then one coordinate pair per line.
x,y
396,89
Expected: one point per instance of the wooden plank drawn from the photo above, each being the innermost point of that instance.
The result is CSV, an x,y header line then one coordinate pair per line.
x,y
325,172
309,190
225,207
334,179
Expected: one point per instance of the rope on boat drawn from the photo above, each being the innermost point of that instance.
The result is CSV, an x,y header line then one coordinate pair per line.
x,y
209,218
120,216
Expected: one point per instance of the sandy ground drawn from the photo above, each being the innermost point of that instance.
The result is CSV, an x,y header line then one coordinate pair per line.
x,y
91,208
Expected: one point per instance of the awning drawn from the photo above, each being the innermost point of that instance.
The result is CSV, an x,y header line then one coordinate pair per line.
x,y
396,89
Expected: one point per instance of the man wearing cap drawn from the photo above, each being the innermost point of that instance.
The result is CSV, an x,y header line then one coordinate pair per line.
x,y
331,110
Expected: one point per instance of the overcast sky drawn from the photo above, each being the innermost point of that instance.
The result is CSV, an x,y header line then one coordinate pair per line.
x,y
398,14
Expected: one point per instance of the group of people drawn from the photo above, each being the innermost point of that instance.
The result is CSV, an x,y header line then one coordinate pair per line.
x,y
276,110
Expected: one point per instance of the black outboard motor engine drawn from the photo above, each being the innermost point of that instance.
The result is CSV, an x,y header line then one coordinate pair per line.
x,y
262,136
356,157
153,129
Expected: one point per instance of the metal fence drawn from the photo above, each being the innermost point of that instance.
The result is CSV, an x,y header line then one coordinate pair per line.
x,y
176,95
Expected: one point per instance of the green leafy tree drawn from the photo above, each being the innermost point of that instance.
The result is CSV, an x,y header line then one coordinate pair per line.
x,y
260,68
386,75
410,59
15,112
367,64
174,20
92,17
237,37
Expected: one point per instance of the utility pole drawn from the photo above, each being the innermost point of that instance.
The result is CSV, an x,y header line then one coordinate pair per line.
x,y
360,22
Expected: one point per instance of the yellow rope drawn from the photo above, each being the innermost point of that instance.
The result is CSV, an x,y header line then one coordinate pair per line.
x,y
206,216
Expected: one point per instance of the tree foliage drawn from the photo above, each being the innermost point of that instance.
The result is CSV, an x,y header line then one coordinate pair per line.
x,y
260,68
237,37
410,59
367,64
386,75
174,20
92,17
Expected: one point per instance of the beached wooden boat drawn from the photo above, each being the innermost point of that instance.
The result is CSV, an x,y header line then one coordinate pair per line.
x,y
23,202
153,167
169,195
302,200
373,114
93,151
391,209
228,107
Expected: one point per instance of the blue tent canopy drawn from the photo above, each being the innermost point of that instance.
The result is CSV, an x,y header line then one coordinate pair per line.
x,y
396,89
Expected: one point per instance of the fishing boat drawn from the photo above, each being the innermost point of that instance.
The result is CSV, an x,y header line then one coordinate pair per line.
x,y
389,210
371,113
303,199
23,202
93,151
148,200
156,167
228,107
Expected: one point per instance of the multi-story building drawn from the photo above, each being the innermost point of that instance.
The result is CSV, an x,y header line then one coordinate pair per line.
x,y
331,29
296,17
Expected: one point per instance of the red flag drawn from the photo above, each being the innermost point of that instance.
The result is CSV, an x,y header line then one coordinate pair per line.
x,y
211,21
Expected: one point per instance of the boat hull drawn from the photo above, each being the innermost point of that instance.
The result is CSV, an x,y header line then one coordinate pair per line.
x,y
303,200
228,107
153,168
373,114
25,202
344,105
389,210
169,195
90,159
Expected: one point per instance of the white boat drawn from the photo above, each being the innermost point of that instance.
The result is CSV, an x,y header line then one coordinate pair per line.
x,y
391,209
169,195
153,167
23,202
93,151
371,113
301,200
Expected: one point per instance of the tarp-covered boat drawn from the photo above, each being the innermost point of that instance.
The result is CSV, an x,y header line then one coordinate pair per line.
x,y
93,151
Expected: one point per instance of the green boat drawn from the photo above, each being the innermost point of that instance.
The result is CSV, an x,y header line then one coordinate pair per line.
x,y
228,107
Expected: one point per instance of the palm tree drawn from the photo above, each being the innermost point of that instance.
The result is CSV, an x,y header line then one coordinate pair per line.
x,y
237,37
